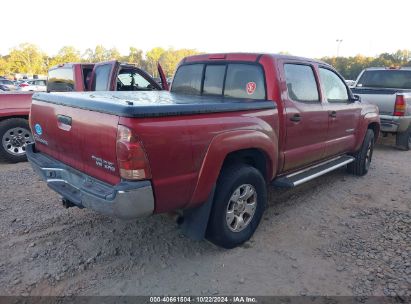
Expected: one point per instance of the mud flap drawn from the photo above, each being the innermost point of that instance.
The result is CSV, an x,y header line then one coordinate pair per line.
x,y
195,221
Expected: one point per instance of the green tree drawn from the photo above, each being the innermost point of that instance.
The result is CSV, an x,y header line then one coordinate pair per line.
x,y
27,58
65,55
134,56
100,53
153,56
4,66
113,54
350,67
88,55
170,59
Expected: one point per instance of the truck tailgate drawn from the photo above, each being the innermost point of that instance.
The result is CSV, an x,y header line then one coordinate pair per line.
x,y
82,139
384,99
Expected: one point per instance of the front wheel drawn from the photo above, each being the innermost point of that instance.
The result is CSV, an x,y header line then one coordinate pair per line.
x,y
362,162
14,135
238,206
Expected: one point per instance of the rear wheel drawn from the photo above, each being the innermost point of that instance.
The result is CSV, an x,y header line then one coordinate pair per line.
x,y
238,206
403,139
363,157
14,135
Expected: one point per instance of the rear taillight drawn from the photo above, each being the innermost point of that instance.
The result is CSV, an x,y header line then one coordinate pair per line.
x,y
22,85
400,106
131,157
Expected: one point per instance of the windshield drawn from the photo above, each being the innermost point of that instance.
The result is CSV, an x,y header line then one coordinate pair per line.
x,y
395,79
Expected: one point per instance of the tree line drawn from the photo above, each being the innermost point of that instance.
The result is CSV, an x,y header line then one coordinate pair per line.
x,y
350,67
29,59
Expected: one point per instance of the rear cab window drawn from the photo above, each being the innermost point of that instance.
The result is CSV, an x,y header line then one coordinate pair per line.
x,y
60,79
231,80
187,79
394,79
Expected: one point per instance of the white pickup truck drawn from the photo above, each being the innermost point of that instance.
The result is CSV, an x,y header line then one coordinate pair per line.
x,y
390,90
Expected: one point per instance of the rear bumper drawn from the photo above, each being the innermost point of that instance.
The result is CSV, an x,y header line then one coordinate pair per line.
x,y
394,124
125,200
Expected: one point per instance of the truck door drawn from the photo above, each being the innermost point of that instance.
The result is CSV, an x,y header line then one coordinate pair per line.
x,y
163,78
343,113
306,119
104,76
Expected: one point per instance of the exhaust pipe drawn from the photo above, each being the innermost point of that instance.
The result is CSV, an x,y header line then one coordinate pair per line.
x,y
68,204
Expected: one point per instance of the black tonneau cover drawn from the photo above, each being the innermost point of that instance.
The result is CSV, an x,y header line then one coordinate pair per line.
x,y
151,104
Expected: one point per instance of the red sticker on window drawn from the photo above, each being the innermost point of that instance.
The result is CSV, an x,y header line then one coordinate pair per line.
x,y
251,86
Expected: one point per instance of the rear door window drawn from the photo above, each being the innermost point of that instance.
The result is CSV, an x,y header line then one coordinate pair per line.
x,y
60,80
188,79
301,83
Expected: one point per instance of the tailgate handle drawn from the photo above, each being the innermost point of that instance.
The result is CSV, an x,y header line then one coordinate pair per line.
x,y
65,120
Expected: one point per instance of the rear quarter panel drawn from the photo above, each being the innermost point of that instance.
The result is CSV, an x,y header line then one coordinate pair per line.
x,y
177,148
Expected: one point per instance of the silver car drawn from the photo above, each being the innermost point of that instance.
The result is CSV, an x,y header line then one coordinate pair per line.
x,y
7,83
38,85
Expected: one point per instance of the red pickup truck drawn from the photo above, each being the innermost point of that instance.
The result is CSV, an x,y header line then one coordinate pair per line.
x,y
231,125
105,76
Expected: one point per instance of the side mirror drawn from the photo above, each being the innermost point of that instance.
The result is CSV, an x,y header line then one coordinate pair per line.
x,y
356,98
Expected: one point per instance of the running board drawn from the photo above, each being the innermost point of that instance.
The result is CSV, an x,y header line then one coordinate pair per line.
x,y
300,177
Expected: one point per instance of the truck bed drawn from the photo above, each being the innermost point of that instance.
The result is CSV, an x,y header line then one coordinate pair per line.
x,y
150,104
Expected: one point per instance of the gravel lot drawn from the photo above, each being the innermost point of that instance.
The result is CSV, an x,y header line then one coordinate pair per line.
x,y
337,235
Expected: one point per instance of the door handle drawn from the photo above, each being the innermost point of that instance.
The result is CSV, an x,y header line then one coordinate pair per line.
x,y
296,118
66,120
333,114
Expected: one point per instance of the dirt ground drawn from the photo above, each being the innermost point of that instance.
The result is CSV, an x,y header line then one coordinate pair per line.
x,y
336,235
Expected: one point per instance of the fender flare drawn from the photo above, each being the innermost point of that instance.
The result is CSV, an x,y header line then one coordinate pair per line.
x,y
224,144
368,119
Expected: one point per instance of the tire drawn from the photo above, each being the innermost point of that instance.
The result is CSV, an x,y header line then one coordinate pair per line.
x,y
403,139
224,227
363,157
14,135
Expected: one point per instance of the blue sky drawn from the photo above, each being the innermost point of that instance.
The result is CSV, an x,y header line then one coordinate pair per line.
x,y
305,28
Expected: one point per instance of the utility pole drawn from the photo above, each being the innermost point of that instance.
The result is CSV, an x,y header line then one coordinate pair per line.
x,y
338,46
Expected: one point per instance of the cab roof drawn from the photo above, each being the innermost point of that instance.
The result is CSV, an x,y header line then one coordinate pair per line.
x,y
252,57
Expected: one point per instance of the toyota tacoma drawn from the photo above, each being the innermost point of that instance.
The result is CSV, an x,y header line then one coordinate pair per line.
x,y
232,125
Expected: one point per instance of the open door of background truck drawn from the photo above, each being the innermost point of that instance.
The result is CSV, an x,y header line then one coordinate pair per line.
x,y
114,76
